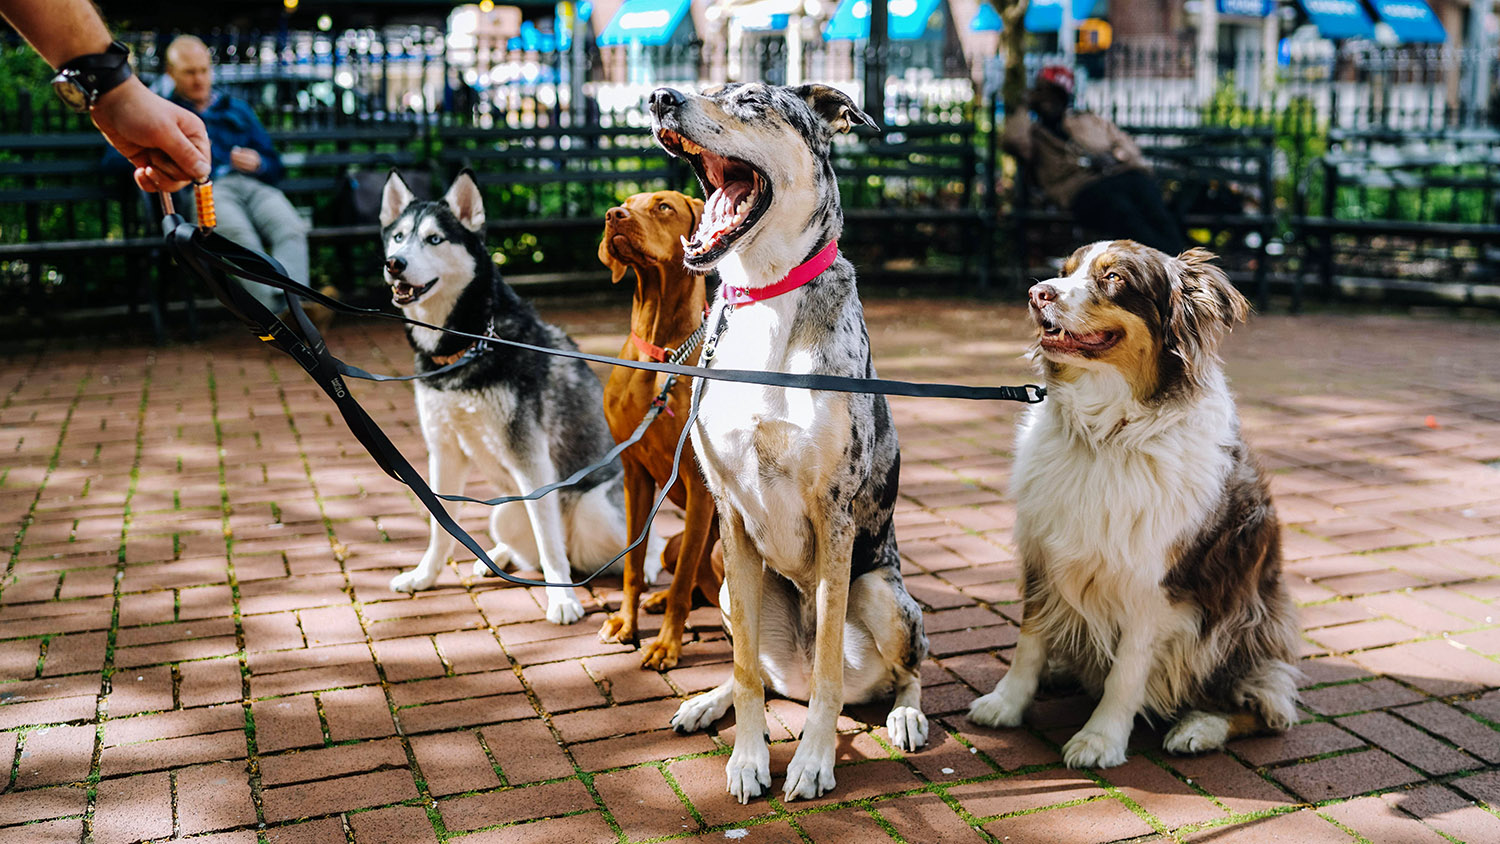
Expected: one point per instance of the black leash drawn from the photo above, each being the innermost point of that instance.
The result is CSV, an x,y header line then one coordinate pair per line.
x,y
214,258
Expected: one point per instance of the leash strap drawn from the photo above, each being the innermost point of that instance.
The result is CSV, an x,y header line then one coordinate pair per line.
x,y
216,251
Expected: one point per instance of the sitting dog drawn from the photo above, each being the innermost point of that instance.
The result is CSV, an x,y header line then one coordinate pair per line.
x,y
523,419
805,481
646,233
1150,548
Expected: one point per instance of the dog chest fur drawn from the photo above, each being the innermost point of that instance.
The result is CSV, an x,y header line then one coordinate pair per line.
x,y
764,449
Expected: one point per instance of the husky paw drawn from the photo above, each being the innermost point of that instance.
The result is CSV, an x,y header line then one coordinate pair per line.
x,y
811,772
907,727
413,581
1197,732
1093,749
502,558
997,709
749,773
564,608
662,652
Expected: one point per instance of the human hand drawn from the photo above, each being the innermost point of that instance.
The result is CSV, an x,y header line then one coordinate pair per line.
x,y
245,160
167,143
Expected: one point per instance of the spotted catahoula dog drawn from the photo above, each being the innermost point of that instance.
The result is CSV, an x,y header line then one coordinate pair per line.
x,y
805,482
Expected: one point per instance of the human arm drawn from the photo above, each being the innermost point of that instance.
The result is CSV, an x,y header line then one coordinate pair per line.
x,y
1017,138
258,157
167,144
1125,149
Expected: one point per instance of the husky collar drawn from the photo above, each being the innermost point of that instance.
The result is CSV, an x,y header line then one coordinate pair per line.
x,y
474,349
800,275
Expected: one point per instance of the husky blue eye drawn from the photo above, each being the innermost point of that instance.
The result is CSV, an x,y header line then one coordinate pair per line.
x,y
434,239
398,237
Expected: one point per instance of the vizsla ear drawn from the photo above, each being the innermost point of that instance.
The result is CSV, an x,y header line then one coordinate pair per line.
x,y
607,258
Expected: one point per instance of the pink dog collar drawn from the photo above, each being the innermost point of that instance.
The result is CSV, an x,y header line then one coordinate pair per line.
x,y
800,275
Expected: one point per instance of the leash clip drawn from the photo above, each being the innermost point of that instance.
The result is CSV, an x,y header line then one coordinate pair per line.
x,y
1035,393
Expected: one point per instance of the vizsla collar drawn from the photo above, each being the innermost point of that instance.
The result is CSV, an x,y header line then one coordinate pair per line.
x,y
662,354
802,274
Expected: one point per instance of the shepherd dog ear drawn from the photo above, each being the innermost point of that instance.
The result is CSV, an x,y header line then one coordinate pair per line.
x,y
1204,307
834,107
394,199
465,200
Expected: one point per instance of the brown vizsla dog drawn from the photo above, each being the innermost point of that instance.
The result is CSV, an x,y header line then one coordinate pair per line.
x,y
645,234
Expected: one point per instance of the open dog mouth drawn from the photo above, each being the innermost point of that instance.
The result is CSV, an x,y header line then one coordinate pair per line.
x,y
738,195
1057,339
404,293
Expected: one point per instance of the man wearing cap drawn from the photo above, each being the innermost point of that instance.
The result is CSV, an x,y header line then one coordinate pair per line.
x,y
1086,164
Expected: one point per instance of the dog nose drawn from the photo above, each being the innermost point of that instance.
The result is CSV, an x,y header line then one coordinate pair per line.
x,y
616,214
664,100
1041,294
395,266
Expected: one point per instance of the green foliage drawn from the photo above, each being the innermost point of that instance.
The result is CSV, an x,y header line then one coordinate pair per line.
x,y
23,71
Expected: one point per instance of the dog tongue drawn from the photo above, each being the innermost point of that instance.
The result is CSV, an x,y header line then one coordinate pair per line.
x,y
719,216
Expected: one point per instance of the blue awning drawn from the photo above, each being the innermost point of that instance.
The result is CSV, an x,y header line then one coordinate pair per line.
x,y
1413,21
1246,8
649,22
986,19
906,20
1043,16
1339,18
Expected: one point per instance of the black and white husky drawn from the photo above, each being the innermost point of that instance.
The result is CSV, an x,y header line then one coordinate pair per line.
x,y
522,419
805,481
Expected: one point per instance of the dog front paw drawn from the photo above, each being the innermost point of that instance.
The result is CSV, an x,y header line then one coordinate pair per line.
x,y
811,772
617,628
1092,749
698,713
563,608
655,603
1197,732
413,581
997,709
907,727
749,773
662,652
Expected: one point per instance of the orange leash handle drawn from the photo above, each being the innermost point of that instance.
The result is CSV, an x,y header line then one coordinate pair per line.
x,y
203,195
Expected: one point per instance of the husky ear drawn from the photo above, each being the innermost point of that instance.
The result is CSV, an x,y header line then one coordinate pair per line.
x,y
395,198
463,197
1204,307
607,258
834,106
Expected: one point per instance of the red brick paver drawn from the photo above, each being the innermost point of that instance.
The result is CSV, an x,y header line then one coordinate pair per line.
x,y
197,640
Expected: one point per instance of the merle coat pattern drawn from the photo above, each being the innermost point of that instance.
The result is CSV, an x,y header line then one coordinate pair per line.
x,y
805,482
522,419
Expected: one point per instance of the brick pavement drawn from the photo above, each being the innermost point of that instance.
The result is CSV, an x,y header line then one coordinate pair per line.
x,y
197,641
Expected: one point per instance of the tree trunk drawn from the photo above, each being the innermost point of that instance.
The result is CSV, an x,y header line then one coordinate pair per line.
x,y
1013,41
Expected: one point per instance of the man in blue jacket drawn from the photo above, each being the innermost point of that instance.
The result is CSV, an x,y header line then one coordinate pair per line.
x,y
251,211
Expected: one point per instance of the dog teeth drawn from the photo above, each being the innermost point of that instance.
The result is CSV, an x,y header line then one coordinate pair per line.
x,y
689,147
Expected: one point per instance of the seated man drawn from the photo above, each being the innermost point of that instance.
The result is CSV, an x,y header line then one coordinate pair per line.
x,y
1085,164
250,210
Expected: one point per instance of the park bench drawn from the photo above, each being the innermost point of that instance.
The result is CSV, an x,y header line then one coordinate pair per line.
x,y
61,214
1408,211
1219,183
910,189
